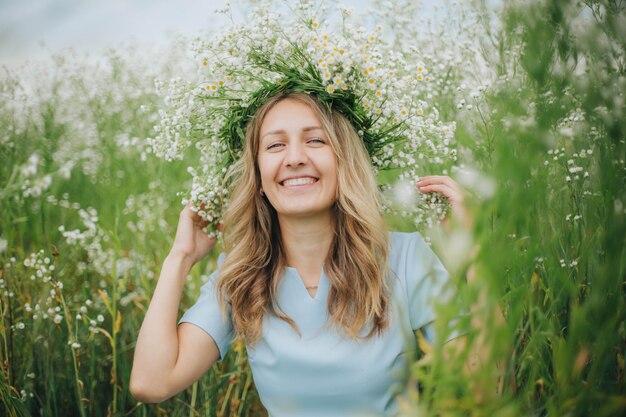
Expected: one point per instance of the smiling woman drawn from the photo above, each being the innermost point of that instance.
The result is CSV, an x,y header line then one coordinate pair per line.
x,y
324,297
337,217
322,294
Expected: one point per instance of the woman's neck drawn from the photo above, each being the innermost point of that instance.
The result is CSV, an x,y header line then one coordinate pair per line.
x,y
306,241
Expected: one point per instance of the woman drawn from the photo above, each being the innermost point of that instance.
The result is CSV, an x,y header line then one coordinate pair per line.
x,y
321,293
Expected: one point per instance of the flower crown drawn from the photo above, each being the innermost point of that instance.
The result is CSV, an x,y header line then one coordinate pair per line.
x,y
354,72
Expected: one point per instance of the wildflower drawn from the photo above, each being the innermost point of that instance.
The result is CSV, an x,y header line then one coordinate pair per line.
x,y
346,61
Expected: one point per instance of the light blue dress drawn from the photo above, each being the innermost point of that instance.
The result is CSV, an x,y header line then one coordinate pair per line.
x,y
322,373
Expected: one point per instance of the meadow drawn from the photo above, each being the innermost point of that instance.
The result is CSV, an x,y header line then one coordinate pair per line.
x,y
536,91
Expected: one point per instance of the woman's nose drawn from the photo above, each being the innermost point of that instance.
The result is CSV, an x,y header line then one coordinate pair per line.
x,y
296,155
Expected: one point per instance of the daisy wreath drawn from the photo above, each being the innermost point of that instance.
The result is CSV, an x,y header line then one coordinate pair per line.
x,y
353,71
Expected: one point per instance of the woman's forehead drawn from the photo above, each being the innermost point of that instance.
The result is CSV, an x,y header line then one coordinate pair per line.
x,y
290,114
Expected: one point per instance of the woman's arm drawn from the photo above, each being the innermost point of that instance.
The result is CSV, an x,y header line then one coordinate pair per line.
x,y
169,359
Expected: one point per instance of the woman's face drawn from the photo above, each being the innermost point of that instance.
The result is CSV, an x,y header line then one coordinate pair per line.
x,y
297,164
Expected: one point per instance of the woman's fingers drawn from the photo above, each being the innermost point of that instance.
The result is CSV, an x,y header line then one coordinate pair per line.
x,y
440,179
191,241
439,188
434,179
447,187
197,220
441,184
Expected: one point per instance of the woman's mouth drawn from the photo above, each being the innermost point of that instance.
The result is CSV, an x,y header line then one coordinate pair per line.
x,y
296,182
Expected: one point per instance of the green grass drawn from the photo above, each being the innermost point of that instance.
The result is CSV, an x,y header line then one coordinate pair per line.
x,y
547,252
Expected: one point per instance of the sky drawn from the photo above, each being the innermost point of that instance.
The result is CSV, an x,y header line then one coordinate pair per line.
x,y
35,28
31,29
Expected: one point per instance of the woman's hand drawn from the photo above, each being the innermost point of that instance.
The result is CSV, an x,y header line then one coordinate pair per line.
x,y
191,242
449,188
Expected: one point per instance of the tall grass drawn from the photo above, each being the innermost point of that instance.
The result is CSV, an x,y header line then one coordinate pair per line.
x,y
550,241
87,216
90,211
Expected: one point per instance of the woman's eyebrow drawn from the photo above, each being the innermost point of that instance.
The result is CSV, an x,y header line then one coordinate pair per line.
x,y
282,131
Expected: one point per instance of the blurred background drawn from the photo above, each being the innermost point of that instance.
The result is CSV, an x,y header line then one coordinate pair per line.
x,y
36,28
88,212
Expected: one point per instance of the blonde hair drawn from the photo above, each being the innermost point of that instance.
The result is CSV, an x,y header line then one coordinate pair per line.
x,y
356,264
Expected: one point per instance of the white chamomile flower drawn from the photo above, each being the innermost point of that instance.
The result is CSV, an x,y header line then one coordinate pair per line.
x,y
301,52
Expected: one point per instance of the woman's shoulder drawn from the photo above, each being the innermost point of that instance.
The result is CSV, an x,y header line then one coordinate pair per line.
x,y
409,252
220,258
401,242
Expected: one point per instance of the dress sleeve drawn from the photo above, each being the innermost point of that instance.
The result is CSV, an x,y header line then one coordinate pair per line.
x,y
426,283
207,315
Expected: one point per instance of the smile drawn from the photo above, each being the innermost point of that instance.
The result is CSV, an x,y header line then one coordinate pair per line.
x,y
291,182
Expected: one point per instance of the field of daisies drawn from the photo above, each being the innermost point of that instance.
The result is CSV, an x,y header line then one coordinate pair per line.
x,y
533,95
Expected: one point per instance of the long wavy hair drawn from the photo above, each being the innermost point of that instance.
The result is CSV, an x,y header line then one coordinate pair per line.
x,y
356,265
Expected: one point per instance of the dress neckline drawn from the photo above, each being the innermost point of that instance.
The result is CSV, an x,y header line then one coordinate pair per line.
x,y
322,286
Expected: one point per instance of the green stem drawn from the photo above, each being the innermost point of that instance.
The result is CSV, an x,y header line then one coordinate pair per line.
x,y
114,331
244,394
72,339
194,395
226,397
6,370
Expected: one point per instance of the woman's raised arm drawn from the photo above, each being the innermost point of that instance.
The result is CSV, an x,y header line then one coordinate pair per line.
x,y
169,359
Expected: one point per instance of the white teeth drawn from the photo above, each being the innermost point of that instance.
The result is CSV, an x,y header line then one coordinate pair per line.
x,y
298,181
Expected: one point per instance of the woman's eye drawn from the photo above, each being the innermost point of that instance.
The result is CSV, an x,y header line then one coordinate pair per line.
x,y
317,140
274,145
